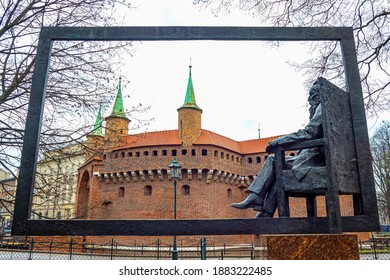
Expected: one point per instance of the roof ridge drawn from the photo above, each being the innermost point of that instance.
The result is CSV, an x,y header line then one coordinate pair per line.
x,y
269,137
150,132
220,135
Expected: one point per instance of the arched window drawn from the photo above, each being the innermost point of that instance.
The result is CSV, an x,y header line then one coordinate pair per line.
x,y
121,192
164,153
185,190
229,193
216,153
116,155
250,160
129,154
123,154
155,153
67,213
146,153
222,155
258,159
174,153
184,152
204,152
137,154
193,152
227,156
148,190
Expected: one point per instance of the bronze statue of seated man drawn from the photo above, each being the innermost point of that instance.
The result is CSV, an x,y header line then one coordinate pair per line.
x,y
263,193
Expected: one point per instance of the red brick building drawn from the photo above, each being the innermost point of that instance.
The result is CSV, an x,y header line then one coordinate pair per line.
x,y
127,176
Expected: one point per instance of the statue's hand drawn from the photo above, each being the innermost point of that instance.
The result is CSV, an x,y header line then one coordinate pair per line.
x,y
272,145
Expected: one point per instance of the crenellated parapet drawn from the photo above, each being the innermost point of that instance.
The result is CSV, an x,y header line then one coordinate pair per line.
x,y
208,176
197,157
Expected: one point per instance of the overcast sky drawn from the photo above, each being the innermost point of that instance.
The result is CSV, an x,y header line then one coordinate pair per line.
x,y
239,85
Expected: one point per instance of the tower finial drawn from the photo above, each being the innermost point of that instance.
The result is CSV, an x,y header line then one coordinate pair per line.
x,y
97,128
118,109
189,101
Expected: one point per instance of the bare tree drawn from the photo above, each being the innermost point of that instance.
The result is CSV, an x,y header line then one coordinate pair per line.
x,y
81,74
370,20
380,147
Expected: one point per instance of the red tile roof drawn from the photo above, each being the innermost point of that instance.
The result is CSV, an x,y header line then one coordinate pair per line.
x,y
242,147
211,138
148,139
255,145
170,137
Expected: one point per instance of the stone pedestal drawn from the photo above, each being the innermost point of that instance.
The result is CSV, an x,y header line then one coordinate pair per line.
x,y
313,247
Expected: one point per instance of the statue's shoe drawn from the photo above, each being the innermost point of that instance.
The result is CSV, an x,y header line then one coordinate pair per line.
x,y
263,214
252,201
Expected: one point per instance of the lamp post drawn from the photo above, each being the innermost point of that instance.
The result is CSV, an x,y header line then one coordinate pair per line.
x,y
174,167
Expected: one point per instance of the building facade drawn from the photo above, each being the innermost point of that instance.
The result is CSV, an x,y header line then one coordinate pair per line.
x,y
7,195
56,183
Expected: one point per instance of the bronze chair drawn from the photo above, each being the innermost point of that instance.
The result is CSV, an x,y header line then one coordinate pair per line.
x,y
339,175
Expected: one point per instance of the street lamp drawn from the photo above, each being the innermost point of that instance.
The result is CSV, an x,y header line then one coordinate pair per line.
x,y
174,167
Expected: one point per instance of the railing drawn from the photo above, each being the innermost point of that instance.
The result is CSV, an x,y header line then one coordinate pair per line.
x,y
376,248
30,250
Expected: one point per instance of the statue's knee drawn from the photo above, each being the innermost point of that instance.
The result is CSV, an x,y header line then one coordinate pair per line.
x,y
269,158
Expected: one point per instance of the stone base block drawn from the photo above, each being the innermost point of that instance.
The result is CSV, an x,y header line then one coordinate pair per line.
x,y
313,247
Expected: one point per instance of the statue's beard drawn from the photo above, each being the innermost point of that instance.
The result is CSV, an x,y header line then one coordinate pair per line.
x,y
312,110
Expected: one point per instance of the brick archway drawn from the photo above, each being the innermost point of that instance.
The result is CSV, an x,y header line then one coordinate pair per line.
x,y
83,196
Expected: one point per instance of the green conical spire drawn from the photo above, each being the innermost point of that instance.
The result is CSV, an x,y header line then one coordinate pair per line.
x,y
118,110
97,128
189,101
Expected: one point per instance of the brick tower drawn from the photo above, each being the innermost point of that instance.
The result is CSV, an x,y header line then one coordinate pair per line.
x,y
190,116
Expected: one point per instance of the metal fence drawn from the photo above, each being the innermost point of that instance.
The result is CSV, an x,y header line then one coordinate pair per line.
x,y
31,250
373,249
377,248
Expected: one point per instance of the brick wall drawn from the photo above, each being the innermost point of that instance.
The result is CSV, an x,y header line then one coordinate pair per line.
x,y
134,183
